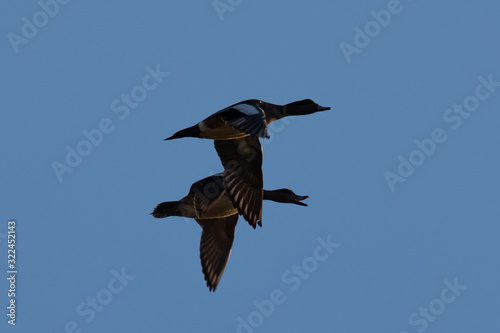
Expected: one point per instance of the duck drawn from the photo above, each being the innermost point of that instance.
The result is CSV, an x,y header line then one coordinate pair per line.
x,y
236,130
250,117
208,203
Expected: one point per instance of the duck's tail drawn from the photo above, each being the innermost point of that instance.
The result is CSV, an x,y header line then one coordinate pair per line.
x,y
193,131
165,209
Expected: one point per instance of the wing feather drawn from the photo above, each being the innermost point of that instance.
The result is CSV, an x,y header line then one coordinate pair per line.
x,y
243,180
215,247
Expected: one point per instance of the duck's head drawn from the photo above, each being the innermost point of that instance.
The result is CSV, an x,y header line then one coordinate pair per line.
x,y
306,106
285,195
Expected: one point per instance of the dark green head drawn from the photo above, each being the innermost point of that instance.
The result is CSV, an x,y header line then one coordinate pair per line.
x,y
303,107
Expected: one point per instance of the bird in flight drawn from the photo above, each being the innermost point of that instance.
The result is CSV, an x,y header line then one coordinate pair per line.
x,y
236,131
209,204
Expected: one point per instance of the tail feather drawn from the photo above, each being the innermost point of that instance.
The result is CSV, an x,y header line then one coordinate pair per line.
x,y
193,131
165,209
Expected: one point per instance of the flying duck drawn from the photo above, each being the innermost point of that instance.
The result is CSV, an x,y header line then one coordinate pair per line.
x,y
250,117
207,202
236,131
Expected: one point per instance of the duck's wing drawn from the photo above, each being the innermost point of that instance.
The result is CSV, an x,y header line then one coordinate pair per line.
x,y
215,247
242,161
206,191
246,117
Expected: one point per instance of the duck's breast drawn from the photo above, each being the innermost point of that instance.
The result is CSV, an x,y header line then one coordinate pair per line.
x,y
221,207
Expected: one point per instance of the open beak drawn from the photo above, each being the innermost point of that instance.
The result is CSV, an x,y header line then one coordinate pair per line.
x,y
323,108
299,198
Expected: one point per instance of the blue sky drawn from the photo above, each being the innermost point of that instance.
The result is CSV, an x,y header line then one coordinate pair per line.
x,y
402,174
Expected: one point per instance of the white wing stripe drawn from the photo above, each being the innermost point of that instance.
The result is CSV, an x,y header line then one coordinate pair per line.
x,y
247,109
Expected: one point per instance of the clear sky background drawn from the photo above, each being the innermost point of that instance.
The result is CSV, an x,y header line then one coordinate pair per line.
x,y
416,253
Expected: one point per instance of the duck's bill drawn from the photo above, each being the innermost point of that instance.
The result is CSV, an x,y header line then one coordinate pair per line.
x,y
299,198
323,108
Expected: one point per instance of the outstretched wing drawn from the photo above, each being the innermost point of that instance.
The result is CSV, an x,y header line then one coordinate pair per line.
x,y
242,161
246,117
215,247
